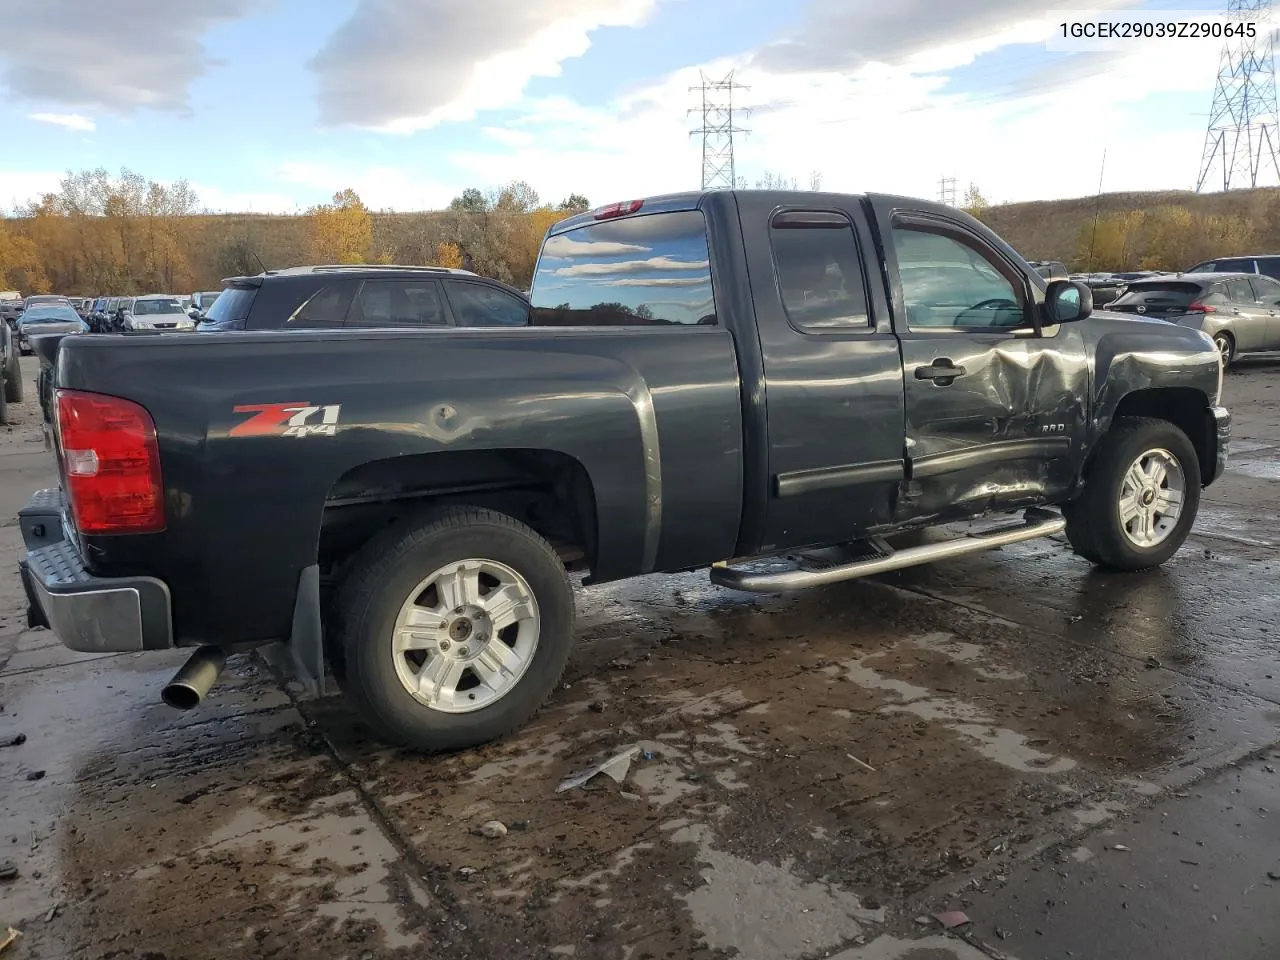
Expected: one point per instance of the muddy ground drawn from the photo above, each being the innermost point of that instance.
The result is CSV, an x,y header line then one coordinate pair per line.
x,y
1083,763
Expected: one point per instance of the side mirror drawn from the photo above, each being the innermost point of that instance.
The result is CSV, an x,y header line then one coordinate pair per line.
x,y
1066,301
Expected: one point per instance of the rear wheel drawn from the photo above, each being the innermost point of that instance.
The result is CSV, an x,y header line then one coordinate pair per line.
x,y
1226,348
455,630
1140,497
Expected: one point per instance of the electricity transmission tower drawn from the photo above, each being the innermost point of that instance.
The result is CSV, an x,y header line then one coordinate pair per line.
x,y
947,191
717,130
1242,140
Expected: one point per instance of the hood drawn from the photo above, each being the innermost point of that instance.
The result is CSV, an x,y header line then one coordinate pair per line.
x,y
30,330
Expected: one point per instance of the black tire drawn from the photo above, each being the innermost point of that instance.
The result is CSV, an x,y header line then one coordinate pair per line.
x,y
1093,521
1226,345
382,578
13,379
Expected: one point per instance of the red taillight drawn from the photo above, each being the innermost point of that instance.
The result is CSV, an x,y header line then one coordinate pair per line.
x,y
1199,307
618,209
111,464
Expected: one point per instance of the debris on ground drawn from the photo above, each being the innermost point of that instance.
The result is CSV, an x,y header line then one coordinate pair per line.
x,y
9,938
950,919
8,870
596,706
615,768
519,824
1119,846
466,873
53,912
923,920
1154,663
492,830
14,741
35,775
861,763
1273,875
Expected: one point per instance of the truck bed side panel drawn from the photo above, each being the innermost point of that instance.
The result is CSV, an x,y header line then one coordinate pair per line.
x,y
653,415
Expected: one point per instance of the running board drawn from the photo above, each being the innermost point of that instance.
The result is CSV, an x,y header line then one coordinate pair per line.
x,y
1038,523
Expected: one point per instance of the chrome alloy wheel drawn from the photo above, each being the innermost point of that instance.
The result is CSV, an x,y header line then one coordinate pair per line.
x,y
466,635
1151,498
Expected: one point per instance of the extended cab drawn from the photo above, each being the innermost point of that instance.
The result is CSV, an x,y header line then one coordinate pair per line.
x,y
704,379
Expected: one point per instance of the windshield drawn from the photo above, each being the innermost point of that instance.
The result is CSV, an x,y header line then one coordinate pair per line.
x,y
232,304
151,308
205,300
50,313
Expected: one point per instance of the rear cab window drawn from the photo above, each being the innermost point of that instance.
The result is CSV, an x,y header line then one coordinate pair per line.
x,y
644,270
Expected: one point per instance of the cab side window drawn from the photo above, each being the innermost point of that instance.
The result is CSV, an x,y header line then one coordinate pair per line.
x,y
947,283
1239,291
819,270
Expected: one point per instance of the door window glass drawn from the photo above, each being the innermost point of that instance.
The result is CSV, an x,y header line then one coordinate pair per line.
x,y
820,275
479,305
949,284
398,303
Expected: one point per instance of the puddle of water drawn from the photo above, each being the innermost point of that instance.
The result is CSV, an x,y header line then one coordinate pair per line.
x,y
1258,469
1006,747
763,911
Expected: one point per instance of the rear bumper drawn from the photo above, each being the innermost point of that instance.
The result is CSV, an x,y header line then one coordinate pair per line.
x,y
1222,428
89,614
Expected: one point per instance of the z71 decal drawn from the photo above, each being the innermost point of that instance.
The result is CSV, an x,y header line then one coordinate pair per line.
x,y
287,420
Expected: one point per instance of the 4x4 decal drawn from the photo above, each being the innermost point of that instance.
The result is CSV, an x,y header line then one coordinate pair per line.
x,y
287,420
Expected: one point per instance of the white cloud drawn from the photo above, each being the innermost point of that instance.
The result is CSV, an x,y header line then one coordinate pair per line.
x,y
19,187
217,199
562,246
629,266
658,282
72,121
405,65
118,56
381,187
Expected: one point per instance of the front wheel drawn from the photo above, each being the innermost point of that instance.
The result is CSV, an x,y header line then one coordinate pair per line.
x,y
1140,497
13,379
454,630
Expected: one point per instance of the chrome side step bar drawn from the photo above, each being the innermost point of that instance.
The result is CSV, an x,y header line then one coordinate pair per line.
x,y
1038,523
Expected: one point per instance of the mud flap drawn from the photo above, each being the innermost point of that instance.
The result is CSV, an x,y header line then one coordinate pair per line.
x,y
301,658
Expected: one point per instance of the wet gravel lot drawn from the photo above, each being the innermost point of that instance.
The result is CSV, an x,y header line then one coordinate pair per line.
x,y
1083,764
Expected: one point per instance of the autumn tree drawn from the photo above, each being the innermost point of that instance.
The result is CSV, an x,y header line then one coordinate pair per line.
x,y
20,267
974,203
341,231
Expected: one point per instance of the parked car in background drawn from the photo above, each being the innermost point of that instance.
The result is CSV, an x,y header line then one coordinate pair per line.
x,y
10,310
1050,269
1267,264
156,311
327,297
46,318
1240,311
201,302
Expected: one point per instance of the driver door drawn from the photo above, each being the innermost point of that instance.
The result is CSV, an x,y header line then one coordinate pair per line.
x,y
995,413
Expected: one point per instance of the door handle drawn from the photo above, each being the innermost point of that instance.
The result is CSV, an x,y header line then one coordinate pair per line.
x,y
941,371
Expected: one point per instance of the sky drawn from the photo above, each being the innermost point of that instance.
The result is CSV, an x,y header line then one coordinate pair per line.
x,y
274,105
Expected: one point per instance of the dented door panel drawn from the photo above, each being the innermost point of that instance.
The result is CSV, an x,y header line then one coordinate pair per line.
x,y
1007,433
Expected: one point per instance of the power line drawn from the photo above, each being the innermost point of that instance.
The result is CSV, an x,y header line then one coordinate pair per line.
x,y
717,130
1241,140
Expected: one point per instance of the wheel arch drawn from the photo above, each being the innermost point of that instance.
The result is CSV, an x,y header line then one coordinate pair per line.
x,y
1187,408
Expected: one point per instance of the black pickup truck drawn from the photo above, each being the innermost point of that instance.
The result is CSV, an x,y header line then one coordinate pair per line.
x,y
705,380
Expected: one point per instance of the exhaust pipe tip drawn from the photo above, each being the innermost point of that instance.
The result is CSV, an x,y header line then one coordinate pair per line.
x,y
192,682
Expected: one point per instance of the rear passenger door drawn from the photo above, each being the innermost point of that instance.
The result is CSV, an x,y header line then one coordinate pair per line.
x,y
832,373
1249,318
399,303
1267,292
